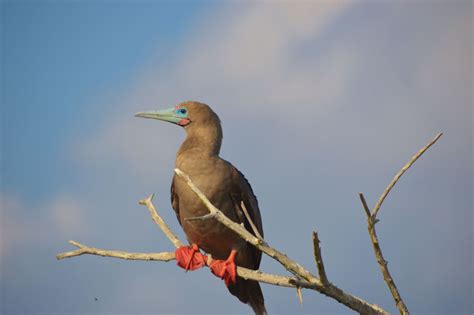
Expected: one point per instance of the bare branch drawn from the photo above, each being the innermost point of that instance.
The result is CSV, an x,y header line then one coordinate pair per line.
x,y
303,278
201,218
384,268
278,280
312,283
289,264
364,205
299,294
159,221
319,259
372,220
401,172
249,274
83,249
254,228
168,256
330,290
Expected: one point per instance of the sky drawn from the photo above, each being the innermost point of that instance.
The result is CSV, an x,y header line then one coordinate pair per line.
x,y
318,100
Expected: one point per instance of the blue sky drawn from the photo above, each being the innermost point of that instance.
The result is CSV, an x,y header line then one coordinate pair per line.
x,y
319,101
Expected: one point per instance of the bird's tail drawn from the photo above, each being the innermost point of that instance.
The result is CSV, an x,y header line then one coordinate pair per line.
x,y
249,292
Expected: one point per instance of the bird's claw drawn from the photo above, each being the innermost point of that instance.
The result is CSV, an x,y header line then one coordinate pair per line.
x,y
190,258
225,269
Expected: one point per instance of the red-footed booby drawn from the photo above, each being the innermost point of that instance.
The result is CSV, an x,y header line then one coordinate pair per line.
x,y
226,188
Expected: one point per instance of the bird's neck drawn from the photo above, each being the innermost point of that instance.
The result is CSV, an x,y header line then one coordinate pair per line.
x,y
201,142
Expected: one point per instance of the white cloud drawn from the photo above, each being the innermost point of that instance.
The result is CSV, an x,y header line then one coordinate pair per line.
x,y
354,101
256,40
247,52
255,54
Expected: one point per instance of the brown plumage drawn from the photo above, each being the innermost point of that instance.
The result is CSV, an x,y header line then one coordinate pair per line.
x,y
225,187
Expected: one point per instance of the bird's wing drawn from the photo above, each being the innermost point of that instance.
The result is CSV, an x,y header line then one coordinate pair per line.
x,y
242,192
175,199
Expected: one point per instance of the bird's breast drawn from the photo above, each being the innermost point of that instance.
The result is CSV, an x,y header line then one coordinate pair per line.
x,y
215,181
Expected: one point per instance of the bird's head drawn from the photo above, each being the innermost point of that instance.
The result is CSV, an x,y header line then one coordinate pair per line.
x,y
185,114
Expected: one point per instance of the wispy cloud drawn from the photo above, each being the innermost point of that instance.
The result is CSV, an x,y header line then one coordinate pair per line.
x,y
21,227
241,58
275,63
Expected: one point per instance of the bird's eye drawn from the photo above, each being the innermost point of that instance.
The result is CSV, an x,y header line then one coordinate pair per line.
x,y
183,111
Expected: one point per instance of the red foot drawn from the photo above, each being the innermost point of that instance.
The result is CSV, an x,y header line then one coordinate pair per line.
x,y
190,258
225,269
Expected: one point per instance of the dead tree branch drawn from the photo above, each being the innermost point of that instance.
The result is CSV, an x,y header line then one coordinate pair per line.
x,y
313,283
247,216
84,249
319,259
292,266
400,173
302,277
159,221
372,220
168,256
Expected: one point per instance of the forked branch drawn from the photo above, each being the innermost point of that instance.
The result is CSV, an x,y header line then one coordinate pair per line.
x,y
302,278
297,282
372,220
168,256
292,266
401,172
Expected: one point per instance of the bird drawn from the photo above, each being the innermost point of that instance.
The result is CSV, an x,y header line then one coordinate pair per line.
x,y
227,189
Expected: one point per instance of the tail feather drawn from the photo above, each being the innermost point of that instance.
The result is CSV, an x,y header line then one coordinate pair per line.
x,y
249,292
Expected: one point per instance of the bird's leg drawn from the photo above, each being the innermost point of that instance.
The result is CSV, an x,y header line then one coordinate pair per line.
x,y
190,258
225,269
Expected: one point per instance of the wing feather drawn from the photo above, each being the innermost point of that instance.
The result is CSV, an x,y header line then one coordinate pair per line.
x,y
175,199
242,192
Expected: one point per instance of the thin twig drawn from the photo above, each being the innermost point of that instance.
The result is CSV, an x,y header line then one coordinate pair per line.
x,y
247,215
148,202
83,249
201,218
364,205
384,268
400,173
319,259
299,294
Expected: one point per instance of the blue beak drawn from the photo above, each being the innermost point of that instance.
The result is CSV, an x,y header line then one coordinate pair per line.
x,y
168,115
